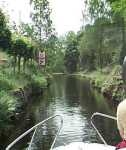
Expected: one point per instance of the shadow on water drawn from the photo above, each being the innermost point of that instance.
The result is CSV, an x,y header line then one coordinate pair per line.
x,y
76,101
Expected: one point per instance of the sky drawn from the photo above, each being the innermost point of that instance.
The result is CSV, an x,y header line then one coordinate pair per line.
x,y
66,14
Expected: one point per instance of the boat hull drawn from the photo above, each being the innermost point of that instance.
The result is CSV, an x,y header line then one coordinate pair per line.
x,y
85,146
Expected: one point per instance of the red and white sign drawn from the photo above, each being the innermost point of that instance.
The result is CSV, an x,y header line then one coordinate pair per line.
x,y
41,58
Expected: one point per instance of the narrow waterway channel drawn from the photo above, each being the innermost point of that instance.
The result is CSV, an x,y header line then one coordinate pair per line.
x,y
76,101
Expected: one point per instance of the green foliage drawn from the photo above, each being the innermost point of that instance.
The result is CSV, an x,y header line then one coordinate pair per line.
x,y
8,100
5,84
100,44
7,81
37,83
19,47
2,19
98,8
18,51
5,34
113,84
87,48
40,80
114,10
11,81
41,18
22,49
27,30
119,10
71,54
7,107
33,68
119,6
55,54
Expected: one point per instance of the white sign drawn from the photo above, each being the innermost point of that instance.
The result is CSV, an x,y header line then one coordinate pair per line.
x,y
41,58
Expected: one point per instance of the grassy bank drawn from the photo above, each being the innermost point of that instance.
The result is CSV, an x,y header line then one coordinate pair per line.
x,y
9,83
108,81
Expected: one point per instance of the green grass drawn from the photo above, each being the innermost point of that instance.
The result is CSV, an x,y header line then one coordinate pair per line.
x,y
10,82
102,76
7,108
108,81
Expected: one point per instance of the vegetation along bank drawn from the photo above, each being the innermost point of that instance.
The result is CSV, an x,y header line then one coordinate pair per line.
x,y
29,52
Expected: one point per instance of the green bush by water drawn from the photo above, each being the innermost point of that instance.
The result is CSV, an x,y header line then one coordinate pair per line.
x,y
7,108
38,82
10,82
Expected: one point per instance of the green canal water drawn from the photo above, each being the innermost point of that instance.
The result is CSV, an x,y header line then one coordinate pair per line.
x,y
76,101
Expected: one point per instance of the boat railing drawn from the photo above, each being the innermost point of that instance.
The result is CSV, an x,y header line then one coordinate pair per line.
x,y
34,128
102,115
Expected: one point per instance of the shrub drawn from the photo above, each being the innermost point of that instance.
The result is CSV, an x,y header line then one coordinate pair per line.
x,y
38,82
5,84
7,107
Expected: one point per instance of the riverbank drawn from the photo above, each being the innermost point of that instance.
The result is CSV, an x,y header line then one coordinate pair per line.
x,y
15,92
77,101
108,81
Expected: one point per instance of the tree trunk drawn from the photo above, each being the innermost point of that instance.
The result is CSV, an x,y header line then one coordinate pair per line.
x,y
24,64
15,60
100,46
19,64
123,51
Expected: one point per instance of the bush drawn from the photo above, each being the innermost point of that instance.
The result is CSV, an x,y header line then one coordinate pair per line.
x,y
38,82
5,84
33,68
7,107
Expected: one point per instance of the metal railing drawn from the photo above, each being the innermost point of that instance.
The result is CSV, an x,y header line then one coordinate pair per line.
x,y
42,122
103,115
35,128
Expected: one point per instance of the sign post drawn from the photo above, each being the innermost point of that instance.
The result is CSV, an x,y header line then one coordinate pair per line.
x,y
41,58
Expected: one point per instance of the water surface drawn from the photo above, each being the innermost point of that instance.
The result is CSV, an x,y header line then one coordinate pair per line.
x,y
76,101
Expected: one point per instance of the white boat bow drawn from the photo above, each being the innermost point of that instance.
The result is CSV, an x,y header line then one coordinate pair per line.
x,y
73,145
85,146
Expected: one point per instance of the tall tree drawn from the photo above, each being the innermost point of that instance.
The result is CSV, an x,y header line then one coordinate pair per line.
x,y
41,19
29,53
98,9
5,34
18,50
119,10
87,48
55,54
27,30
115,9
99,44
72,53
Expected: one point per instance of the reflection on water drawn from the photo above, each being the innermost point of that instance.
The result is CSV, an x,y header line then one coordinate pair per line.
x,y
75,100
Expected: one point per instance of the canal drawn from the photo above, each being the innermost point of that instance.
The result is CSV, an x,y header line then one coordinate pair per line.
x,y
76,101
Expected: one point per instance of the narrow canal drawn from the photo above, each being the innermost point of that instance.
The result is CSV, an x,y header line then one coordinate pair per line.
x,y
76,101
